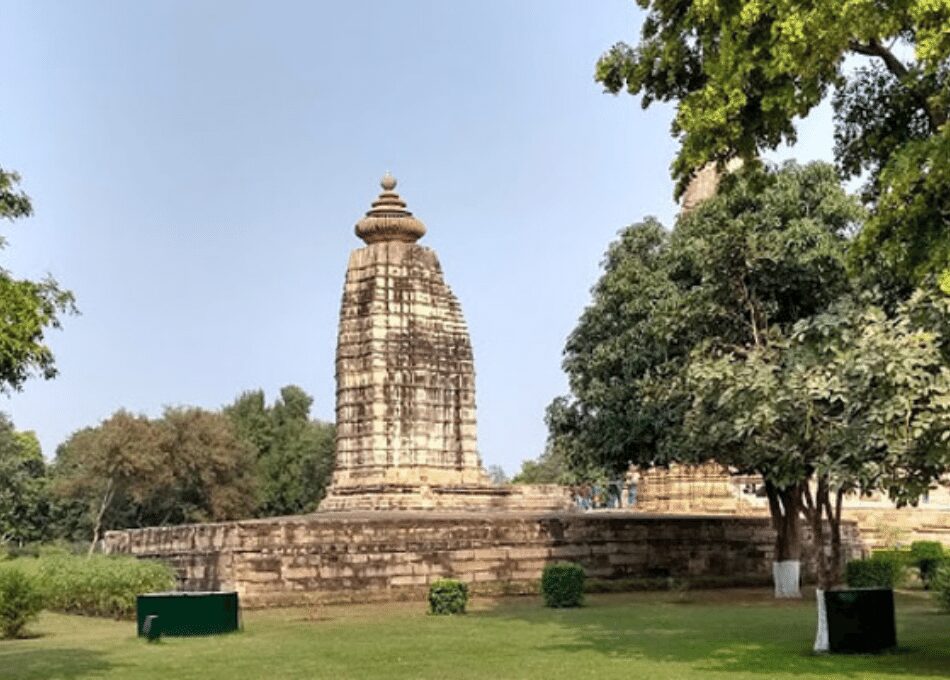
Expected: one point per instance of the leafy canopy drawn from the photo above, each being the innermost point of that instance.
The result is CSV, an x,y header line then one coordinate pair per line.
x,y
294,454
27,308
744,266
24,501
741,72
130,471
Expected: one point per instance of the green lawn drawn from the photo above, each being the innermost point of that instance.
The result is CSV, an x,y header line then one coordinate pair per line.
x,y
714,634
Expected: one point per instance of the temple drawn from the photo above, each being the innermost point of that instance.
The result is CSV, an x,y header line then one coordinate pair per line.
x,y
406,434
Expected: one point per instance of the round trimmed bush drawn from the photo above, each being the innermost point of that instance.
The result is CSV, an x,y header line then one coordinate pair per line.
x,y
879,571
448,596
21,600
562,584
927,556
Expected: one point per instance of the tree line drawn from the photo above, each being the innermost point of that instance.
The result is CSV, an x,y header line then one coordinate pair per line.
x,y
249,459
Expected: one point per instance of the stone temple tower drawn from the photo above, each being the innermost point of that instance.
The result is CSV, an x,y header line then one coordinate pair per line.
x,y
405,407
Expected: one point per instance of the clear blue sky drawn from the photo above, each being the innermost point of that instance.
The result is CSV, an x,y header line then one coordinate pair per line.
x,y
197,167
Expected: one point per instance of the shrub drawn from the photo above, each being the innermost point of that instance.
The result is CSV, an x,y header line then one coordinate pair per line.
x,y
880,571
927,556
100,585
902,556
941,585
562,584
21,599
448,596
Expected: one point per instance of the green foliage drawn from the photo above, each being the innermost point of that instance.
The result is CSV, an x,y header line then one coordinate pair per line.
x,y
879,571
741,73
551,467
941,585
859,397
27,308
24,496
902,556
856,398
448,596
21,600
738,338
294,454
191,465
928,557
99,585
188,466
907,238
562,584
744,266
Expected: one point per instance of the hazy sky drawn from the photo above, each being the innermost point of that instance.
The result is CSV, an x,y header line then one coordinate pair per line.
x,y
197,168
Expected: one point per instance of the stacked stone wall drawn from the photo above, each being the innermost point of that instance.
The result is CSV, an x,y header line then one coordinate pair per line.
x,y
358,557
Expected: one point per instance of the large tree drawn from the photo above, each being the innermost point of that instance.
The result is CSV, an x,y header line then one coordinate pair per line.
x,y
27,308
295,454
740,73
737,273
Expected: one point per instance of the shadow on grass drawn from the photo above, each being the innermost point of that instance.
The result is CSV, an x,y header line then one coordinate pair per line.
x,y
739,636
43,664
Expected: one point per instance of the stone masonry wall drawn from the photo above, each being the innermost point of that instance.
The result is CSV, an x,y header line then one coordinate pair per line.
x,y
358,557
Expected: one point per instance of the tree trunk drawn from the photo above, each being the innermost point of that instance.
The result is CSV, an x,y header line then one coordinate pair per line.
x,y
829,567
784,508
103,506
834,523
821,516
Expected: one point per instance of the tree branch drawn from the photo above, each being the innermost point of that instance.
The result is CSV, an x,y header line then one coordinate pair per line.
x,y
872,48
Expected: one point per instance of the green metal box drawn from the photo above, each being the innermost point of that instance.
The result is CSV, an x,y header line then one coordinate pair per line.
x,y
860,620
183,614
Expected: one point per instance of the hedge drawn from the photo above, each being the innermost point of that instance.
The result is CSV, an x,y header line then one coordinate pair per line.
x,y
941,585
100,585
562,584
879,571
927,556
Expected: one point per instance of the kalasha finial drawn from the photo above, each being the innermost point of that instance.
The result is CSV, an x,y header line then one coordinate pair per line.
x,y
388,219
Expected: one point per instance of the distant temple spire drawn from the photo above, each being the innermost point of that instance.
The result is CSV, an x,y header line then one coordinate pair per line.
x,y
705,183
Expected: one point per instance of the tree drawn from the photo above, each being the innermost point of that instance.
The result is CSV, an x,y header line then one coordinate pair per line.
x,y
24,500
551,467
737,273
213,469
852,401
740,74
496,473
188,466
295,455
112,469
27,308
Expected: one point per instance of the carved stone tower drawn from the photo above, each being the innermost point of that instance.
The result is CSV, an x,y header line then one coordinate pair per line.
x,y
405,377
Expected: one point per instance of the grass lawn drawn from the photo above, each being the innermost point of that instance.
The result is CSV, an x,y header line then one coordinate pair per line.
x,y
714,634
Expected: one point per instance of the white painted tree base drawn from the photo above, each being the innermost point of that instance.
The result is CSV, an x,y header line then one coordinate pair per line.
x,y
787,576
821,637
